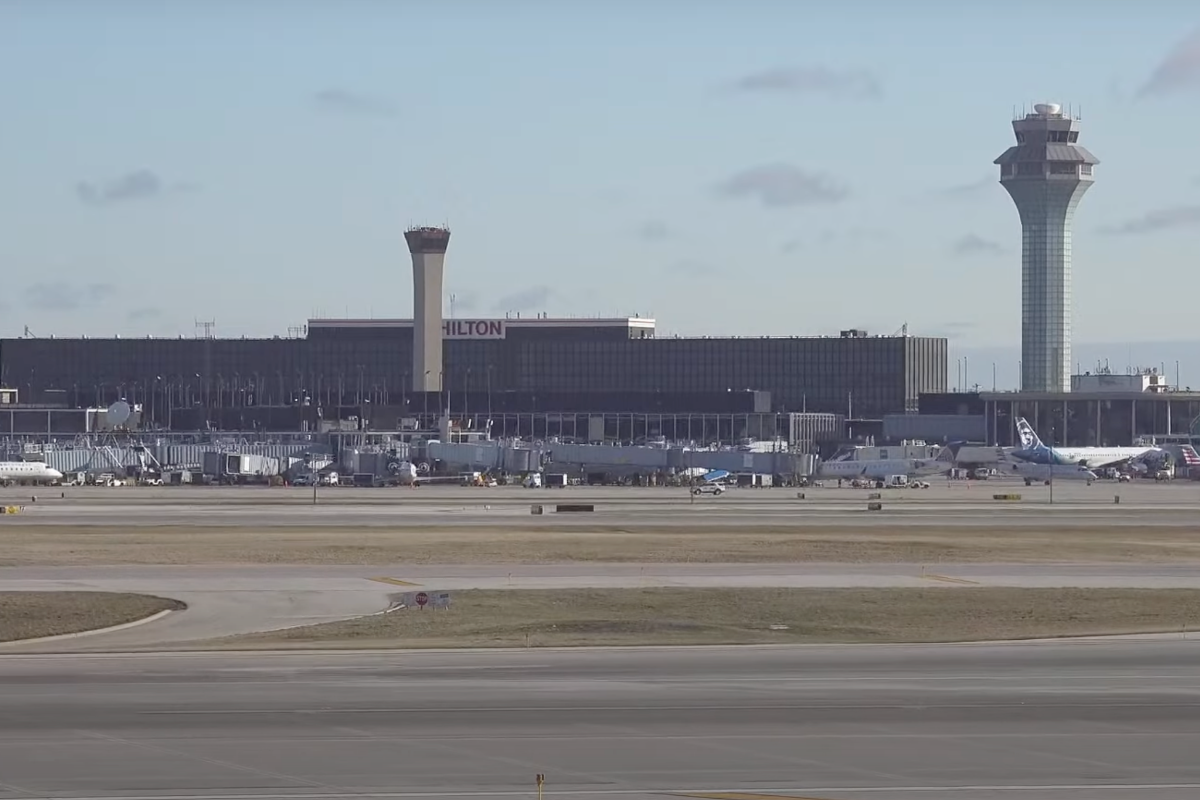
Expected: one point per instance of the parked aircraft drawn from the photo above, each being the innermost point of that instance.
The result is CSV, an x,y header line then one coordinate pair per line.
x,y
883,468
1047,472
27,472
1033,451
409,475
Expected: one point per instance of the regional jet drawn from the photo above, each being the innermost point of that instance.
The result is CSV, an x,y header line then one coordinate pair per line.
x,y
27,472
1033,451
884,468
1045,473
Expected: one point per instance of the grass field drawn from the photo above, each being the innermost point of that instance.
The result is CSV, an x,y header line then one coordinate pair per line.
x,y
547,618
85,545
28,615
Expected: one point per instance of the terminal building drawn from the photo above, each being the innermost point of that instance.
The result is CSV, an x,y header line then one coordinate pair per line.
x,y
510,376
491,369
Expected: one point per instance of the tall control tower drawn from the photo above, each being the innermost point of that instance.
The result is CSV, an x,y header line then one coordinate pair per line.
x,y
428,249
1046,174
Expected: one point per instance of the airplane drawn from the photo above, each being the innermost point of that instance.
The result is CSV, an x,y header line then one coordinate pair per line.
x,y
27,472
883,468
1045,473
409,475
1033,451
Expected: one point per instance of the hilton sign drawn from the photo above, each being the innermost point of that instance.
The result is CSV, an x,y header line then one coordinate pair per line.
x,y
473,329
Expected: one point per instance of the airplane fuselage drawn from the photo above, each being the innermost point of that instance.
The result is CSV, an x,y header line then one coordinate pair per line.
x,y
1046,472
27,471
1091,457
875,468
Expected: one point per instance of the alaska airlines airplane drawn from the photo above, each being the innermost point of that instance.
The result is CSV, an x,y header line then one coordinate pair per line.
x,y
882,468
27,472
1033,451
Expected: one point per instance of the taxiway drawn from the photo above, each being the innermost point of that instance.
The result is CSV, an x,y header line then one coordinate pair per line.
x,y
1063,721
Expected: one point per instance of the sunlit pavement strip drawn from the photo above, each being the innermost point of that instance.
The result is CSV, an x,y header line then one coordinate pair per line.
x,y
748,796
394,581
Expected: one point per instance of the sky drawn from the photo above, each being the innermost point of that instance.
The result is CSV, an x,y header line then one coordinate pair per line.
x,y
753,168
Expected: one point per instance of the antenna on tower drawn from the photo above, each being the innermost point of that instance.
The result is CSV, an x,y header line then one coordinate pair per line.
x,y
207,326
452,305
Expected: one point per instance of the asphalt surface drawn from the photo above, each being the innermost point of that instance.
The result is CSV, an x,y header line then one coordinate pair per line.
x,y
225,601
943,504
1064,721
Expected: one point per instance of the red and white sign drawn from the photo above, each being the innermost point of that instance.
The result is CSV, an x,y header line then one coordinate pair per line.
x,y
473,329
422,598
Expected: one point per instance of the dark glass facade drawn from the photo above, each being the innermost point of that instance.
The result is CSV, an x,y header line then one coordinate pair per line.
x,y
862,377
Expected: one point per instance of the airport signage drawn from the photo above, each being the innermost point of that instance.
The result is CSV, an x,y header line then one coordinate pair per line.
x,y
473,329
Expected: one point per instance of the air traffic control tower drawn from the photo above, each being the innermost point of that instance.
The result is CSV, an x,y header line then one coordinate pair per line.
x,y
1046,174
428,249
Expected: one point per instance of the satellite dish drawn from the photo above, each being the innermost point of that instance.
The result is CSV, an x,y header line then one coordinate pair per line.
x,y
118,413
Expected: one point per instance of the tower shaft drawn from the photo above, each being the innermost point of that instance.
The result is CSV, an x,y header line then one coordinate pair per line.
x,y
1046,174
428,249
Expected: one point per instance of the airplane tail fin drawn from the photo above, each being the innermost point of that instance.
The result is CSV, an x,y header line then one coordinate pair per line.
x,y
1190,457
1029,439
949,453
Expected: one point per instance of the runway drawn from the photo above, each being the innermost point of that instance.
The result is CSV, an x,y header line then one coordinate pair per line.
x,y
225,601
1055,722
944,504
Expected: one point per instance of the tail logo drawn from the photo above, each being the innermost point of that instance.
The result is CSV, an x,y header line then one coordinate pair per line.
x,y
1028,437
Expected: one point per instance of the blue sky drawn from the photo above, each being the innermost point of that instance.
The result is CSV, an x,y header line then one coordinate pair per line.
x,y
756,168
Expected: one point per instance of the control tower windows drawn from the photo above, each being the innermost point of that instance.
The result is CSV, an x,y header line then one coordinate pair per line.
x,y
1008,170
1020,138
1063,168
1073,136
1085,169
1030,168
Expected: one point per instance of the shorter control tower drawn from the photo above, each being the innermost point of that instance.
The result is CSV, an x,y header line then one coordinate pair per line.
x,y
1046,174
428,249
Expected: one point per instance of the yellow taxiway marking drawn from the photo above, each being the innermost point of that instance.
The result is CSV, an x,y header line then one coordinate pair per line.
x,y
929,576
747,796
394,581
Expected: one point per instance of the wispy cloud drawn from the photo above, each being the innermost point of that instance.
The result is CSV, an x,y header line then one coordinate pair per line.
x,y
973,189
342,101
1159,220
952,330
693,267
143,314
530,299
140,184
811,80
782,185
66,296
653,231
1178,72
971,244
857,234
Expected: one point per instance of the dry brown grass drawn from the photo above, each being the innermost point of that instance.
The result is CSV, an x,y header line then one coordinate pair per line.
x,y
85,545
29,615
548,618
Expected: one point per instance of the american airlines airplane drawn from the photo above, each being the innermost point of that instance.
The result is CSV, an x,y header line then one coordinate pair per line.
x,y
1033,451
883,468
27,472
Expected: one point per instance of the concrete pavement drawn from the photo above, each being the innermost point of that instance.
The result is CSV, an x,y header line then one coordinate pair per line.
x,y
225,601
944,504
1064,721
